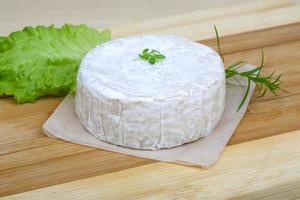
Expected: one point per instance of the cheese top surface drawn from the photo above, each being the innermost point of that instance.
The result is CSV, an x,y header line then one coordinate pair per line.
x,y
115,69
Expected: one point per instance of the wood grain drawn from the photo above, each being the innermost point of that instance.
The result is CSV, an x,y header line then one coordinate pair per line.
x,y
14,14
23,121
62,169
252,170
48,162
197,17
30,160
239,19
281,112
255,39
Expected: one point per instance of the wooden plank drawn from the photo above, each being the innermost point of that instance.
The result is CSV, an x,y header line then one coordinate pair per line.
x,y
22,145
198,16
256,39
284,58
42,160
23,121
251,169
18,130
29,160
229,25
36,155
15,15
281,113
268,118
62,169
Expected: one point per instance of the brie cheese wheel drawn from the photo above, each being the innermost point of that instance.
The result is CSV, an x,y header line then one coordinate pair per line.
x,y
124,100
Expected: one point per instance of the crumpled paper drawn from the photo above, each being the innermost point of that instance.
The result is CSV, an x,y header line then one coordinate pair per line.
x,y
65,125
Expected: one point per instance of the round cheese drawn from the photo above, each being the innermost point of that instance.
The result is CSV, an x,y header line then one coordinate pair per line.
x,y
124,100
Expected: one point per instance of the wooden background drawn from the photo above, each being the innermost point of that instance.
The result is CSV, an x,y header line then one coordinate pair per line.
x,y
15,14
261,161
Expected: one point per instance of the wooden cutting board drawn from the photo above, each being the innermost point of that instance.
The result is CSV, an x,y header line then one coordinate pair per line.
x,y
250,167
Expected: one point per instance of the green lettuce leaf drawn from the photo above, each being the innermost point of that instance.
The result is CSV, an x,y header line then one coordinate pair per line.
x,y
39,61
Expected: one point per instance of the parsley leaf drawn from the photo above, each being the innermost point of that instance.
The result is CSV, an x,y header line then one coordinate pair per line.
x,y
152,56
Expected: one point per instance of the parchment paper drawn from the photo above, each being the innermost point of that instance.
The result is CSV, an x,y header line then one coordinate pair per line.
x,y
65,125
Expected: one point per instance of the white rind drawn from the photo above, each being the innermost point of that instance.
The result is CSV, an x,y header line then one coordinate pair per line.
x,y
131,103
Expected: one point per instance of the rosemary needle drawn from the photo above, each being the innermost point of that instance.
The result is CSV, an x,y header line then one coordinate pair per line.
x,y
218,42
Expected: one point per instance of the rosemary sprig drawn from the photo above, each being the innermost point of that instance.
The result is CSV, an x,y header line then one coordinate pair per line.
x,y
265,83
152,56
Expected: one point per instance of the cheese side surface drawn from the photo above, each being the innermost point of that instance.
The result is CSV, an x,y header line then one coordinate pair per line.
x,y
126,101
